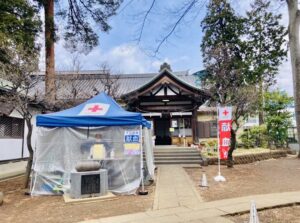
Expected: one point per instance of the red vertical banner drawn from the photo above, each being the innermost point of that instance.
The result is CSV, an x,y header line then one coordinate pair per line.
x,y
224,129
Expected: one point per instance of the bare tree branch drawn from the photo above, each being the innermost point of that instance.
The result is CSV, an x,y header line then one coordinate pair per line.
x,y
144,20
190,5
110,82
125,6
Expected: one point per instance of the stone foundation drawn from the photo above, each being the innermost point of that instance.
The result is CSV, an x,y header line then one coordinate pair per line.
x,y
250,158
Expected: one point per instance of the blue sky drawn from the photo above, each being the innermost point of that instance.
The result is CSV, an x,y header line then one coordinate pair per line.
x,y
124,54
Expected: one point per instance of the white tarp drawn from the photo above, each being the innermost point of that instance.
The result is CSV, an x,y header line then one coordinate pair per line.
x,y
58,150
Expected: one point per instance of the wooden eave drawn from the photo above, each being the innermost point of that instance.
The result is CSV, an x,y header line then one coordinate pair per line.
x,y
165,77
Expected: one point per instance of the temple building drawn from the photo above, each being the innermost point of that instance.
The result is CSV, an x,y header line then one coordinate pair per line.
x,y
171,101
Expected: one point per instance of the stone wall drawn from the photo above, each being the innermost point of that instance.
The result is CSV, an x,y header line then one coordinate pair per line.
x,y
250,158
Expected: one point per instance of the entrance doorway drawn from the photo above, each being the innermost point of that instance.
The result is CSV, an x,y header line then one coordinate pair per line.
x,y
162,131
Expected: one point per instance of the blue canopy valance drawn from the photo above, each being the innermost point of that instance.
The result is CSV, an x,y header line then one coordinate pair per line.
x,y
100,110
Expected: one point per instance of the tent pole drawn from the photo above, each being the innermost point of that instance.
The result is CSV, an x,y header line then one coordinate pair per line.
x,y
88,132
143,191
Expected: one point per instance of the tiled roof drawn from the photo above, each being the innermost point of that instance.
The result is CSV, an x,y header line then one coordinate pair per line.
x,y
207,109
87,83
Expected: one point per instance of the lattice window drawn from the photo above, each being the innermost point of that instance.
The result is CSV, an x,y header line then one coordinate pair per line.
x,y
11,127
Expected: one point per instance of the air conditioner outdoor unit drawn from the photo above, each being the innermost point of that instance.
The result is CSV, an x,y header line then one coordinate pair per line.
x,y
89,184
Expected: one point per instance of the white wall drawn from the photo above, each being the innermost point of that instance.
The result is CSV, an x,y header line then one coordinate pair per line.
x,y
10,149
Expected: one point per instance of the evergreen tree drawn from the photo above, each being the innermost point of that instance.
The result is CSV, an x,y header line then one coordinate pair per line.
x,y
278,118
238,53
77,17
223,52
265,46
19,27
222,49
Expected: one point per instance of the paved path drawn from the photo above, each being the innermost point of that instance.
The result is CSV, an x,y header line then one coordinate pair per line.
x,y
12,169
176,200
174,188
206,212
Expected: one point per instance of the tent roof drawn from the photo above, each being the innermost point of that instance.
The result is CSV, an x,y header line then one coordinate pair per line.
x,y
100,110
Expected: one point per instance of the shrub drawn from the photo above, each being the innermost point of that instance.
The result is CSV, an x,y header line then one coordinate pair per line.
x,y
212,144
255,137
278,118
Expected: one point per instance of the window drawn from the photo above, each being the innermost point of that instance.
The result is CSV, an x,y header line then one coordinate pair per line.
x,y
213,129
207,129
11,127
182,126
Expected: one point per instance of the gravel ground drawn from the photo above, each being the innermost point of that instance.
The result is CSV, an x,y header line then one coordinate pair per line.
x,y
276,215
269,176
18,207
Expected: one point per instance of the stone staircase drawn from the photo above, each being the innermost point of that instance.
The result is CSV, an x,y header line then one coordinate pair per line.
x,y
176,155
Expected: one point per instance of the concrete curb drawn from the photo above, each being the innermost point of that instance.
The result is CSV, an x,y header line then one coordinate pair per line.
x,y
208,212
193,187
4,177
155,202
250,158
288,204
1,198
12,169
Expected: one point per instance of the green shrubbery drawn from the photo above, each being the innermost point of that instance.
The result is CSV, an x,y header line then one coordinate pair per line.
x,y
278,118
255,137
277,122
211,146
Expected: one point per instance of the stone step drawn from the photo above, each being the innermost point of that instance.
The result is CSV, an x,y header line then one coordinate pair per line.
x,y
178,158
165,162
177,155
175,150
172,147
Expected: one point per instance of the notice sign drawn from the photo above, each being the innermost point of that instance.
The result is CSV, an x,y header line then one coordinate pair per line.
x,y
132,143
131,149
132,136
224,128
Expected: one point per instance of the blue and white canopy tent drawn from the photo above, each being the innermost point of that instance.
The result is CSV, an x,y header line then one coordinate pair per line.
x,y
64,138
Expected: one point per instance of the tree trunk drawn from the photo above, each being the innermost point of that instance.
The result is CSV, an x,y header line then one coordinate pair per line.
x,y
261,101
294,21
231,149
49,47
29,146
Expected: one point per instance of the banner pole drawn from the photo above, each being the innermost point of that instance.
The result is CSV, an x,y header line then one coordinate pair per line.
x,y
219,154
219,178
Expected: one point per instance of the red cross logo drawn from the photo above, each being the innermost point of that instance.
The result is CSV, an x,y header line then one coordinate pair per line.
x,y
95,108
225,112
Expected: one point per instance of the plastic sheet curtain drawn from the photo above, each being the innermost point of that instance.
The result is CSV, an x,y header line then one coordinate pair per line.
x,y
58,150
149,155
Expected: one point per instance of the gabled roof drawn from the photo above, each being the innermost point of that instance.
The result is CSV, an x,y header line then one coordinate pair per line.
x,y
88,83
168,75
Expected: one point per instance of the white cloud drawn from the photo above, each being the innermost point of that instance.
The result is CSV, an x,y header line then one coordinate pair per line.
x,y
128,59
285,77
125,58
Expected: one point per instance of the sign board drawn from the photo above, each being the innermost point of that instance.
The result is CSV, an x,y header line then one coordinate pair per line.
x,y
132,142
174,124
224,128
132,136
131,149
